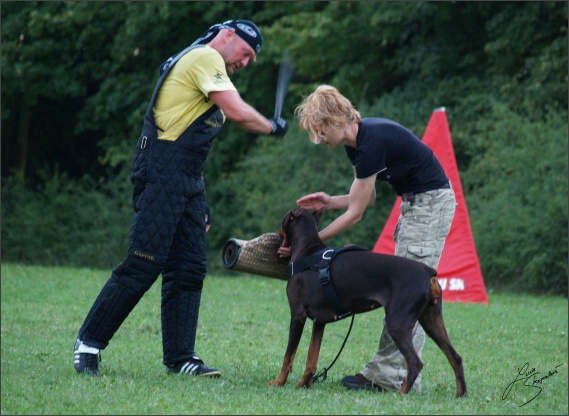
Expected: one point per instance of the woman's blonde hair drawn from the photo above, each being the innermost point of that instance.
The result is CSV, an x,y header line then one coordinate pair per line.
x,y
325,107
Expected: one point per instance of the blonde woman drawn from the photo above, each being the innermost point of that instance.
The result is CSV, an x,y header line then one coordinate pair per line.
x,y
382,149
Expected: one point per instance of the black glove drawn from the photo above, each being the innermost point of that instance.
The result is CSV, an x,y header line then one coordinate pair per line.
x,y
279,127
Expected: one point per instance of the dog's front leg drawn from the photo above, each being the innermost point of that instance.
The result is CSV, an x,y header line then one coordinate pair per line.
x,y
295,333
312,357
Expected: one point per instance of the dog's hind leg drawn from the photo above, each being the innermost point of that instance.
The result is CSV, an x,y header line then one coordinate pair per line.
x,y
295,333
312,357
433,323
400,327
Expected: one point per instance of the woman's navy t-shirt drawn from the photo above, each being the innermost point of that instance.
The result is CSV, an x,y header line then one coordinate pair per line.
x,y
397,156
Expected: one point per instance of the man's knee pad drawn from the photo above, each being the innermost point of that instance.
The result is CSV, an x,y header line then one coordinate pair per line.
x,y
137,271
185,273
180,280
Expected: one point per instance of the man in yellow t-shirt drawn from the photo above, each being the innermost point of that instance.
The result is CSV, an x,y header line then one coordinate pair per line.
x,y
184,96
192,99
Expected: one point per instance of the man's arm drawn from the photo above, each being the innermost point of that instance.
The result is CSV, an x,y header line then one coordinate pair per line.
x,y
241,113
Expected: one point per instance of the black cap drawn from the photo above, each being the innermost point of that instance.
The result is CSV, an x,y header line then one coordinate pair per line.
x,y
248,31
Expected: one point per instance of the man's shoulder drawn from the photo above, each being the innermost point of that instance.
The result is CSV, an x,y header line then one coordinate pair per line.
x,y
204,54
200,61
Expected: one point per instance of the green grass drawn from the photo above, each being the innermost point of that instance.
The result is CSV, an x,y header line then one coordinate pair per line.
x,y
243,330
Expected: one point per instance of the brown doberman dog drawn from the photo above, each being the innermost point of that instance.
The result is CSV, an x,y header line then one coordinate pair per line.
x,y
362,281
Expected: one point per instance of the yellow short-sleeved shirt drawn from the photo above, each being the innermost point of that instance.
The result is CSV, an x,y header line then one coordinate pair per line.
x,y
184,94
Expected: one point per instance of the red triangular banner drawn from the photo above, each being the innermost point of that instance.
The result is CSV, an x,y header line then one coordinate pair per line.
x,y
459,271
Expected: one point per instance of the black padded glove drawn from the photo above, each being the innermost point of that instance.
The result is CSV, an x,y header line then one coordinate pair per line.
x,y
279,127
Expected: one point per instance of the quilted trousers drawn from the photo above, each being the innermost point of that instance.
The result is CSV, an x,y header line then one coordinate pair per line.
x,y
167,237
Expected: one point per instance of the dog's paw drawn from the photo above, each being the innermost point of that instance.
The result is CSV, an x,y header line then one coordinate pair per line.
x,y
276,383
304,383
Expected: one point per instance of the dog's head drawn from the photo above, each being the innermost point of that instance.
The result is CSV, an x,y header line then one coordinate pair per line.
x,y
296,217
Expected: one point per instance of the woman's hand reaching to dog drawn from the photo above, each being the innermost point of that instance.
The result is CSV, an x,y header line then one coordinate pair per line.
x,y
319,200
315,201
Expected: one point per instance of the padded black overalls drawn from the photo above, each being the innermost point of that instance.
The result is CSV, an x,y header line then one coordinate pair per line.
x,y
167,236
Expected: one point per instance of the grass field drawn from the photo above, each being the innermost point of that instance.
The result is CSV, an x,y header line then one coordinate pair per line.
x,y
243,331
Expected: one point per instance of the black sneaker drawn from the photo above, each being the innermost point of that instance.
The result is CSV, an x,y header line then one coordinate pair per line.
x,y
359,382
85,362
194,366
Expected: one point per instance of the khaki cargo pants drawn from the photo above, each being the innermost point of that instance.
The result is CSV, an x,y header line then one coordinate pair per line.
x,y
420,234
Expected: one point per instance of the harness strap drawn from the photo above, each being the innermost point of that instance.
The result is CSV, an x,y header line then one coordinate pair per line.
x,y
309,262
320,262
326,283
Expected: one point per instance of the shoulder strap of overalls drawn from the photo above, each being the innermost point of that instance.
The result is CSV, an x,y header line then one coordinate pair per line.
x,y
165,68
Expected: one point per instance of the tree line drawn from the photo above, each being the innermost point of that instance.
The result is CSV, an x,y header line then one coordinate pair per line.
x,y
77,78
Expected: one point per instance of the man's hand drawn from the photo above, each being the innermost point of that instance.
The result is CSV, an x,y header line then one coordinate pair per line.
x,y
284,251
279,127
207,219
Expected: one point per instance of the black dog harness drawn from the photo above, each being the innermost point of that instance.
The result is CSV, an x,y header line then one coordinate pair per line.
x,y
320,261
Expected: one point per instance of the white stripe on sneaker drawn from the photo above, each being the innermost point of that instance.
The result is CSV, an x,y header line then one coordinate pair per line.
x,y
188,368
84,348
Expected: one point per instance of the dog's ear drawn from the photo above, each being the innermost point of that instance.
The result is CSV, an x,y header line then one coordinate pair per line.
x,y
317,215
295,213
290,216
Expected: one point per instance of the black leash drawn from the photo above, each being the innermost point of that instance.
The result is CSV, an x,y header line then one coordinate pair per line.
x,y
324,372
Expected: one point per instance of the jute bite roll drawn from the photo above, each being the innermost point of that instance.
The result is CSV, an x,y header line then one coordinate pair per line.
x,y
256,256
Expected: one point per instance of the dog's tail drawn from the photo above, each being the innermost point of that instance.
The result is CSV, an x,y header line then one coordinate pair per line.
x,y
436,291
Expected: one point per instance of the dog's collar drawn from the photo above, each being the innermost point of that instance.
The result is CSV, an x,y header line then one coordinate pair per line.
x,y
317,260
311,262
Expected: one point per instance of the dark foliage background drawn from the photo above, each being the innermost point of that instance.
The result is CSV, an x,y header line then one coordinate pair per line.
x,y
77,77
